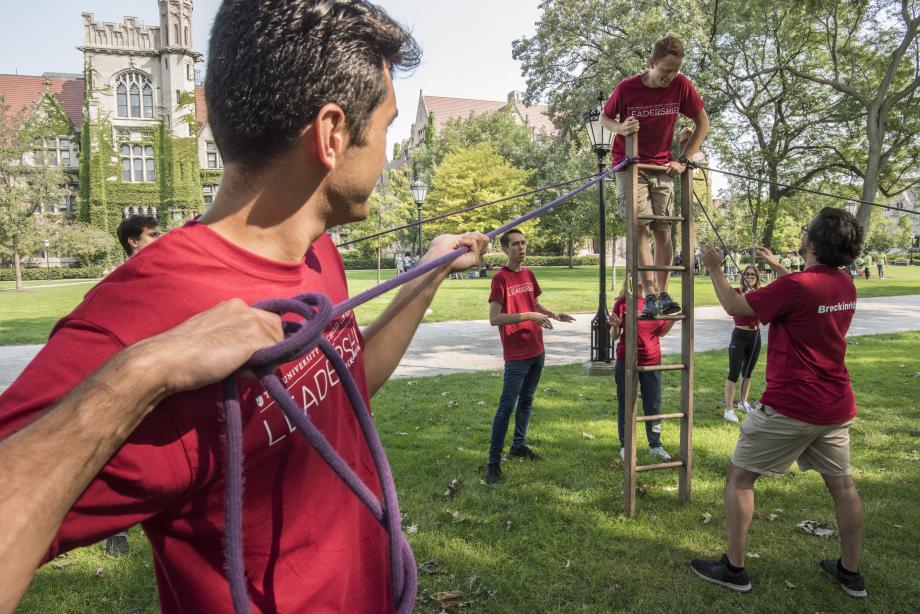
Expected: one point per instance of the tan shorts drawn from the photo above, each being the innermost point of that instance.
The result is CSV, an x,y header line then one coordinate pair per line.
x,y
655,196
770,441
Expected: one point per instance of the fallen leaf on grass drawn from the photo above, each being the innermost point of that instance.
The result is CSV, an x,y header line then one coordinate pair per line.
x,y
59,564
707,517
568,563
100,571
587,435
789,584
449,600
549,389
444,394
452,403
412,529
431,568
455,486
508,525
403,433
753,555
642,489
480,402
817,528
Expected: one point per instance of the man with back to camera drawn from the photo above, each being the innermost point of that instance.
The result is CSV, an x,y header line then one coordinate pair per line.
x,y
808,406
520,318
137,232
653,100
299,96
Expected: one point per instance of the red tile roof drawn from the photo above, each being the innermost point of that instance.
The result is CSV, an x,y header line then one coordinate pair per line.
x,y
24,91
446,108
201,108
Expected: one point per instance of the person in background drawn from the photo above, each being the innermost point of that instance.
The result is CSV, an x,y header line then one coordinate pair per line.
x,y
648,353
867,264
137,232
881,263
743,350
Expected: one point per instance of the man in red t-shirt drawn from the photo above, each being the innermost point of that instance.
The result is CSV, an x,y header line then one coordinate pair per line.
x,y
652,100
303,144
520,319
808,406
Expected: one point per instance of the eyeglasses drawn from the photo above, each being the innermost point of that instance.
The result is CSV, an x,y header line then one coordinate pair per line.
x,y
750,276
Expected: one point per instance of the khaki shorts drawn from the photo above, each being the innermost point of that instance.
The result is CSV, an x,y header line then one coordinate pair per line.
x,y
655,196
770,441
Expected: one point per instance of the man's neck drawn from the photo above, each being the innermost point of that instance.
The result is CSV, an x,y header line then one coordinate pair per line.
x,y
274,216
810,260
515,266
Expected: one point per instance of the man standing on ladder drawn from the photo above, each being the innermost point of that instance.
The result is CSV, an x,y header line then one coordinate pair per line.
x,y
653,99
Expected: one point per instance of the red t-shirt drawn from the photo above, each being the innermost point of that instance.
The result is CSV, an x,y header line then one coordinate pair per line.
x,y
656,109
309,544
649,333
745,320
809,314
517,291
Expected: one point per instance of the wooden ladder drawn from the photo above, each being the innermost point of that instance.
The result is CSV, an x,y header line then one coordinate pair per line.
x,y
684,461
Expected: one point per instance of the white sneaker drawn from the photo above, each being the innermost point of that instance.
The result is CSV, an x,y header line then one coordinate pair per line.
x,y
622,453
744,406
660,453
730,415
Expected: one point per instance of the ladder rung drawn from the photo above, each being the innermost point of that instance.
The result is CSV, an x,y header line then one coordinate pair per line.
x,y
676,316
655,168
667,267
646,368
660,218
670,465
660,417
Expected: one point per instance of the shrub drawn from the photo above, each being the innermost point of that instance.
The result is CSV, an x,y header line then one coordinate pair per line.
x,y
38,274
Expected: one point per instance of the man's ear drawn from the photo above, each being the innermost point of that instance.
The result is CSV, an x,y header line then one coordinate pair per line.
x,y
327,136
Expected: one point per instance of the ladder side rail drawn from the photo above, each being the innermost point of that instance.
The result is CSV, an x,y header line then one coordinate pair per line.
x,y
631,177
688,247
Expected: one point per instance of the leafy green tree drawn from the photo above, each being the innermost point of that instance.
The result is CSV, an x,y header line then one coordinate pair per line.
x,y
886,233
390,205
471,176
24,187
89,244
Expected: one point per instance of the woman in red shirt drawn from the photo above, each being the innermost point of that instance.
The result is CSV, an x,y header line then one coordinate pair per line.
x,y
743,351
648,353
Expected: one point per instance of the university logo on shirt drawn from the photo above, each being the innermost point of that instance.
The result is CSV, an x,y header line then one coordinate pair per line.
x,y
520,289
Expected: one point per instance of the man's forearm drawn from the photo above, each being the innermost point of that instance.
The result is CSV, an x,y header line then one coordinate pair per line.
x,y
778,268
733,303
388,337
46,466
701,128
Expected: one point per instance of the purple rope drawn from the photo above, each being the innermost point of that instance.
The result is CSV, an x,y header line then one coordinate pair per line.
x,y
301,338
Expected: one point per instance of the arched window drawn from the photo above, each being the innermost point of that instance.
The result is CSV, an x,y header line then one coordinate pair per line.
x,y
122,100
134,87
186,36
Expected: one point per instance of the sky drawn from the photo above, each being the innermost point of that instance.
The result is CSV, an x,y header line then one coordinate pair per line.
x,y
466,45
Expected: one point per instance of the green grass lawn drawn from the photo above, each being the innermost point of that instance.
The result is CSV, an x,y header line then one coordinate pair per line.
x,y
28,316
551,537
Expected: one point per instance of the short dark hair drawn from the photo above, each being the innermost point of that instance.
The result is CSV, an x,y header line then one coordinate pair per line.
x,y
505,239
132,227
835,237
668,45
272,64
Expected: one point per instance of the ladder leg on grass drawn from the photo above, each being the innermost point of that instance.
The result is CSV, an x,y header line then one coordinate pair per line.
x,y
684,463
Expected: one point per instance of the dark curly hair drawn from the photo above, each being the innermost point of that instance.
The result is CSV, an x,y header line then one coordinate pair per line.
x,y
272,64
835,237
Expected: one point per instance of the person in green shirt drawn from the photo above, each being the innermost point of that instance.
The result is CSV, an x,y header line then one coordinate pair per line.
x,y
786,261
856,267
867,264
880,264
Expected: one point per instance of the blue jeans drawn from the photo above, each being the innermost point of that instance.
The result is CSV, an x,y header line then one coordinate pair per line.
x,y
650,386
521,379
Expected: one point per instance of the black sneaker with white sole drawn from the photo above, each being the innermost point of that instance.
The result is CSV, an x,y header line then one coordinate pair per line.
x,y
717,572
852,582
650,310
524,452
667,305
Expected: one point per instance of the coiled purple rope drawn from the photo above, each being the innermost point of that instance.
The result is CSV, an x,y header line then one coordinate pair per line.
x,y
301,338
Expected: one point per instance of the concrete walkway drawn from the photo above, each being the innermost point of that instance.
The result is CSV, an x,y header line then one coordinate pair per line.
x,y
463,347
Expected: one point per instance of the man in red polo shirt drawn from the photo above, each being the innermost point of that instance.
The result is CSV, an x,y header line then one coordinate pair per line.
x,y
520,318
808,406
652,100
299,97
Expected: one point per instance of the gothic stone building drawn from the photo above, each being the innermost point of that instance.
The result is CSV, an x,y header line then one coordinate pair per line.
x,y
132,129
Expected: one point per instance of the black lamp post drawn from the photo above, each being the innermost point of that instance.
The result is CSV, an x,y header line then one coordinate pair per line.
x,y
419,191
600,144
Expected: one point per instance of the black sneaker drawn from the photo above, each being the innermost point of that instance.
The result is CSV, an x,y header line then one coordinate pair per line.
x,y
651,310
493,473
667,305
523,452
117,545
853,583
717,572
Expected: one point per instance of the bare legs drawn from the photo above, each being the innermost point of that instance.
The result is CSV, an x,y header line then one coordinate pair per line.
x,y
655,282
849,518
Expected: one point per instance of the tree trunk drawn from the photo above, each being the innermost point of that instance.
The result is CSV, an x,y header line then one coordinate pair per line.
x,y
17,264
571,250
870,183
